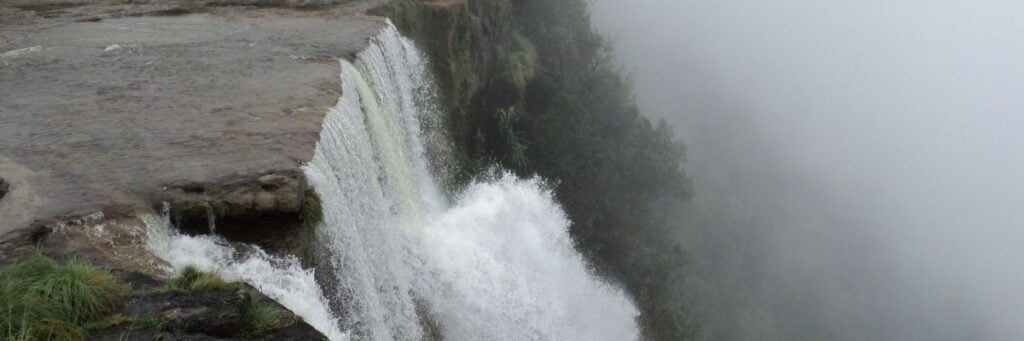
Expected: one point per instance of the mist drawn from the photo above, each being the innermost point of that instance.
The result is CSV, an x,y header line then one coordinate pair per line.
x,y
857,164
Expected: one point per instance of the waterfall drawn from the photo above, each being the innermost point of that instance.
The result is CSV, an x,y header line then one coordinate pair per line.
x,y
396,259
280,278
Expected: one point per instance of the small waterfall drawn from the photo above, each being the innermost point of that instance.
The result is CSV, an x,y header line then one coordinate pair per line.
x,y
394,256
280,278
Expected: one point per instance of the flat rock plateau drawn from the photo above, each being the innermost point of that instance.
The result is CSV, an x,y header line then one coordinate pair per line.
x,y
108,106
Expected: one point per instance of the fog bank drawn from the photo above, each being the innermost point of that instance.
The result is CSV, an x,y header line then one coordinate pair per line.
x,y
857,165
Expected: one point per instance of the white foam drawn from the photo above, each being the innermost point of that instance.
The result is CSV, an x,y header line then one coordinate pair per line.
x,y
280,278
498,265
21,52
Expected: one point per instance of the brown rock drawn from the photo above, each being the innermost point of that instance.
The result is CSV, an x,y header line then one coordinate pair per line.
x,y
264,202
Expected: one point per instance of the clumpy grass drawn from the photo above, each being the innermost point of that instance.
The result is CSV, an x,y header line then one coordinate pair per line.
x,y
259,317
312,209
191,278
42,299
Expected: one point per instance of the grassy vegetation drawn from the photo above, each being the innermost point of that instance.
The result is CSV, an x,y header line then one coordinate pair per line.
x,y
42,299
257,317
191,278
260,317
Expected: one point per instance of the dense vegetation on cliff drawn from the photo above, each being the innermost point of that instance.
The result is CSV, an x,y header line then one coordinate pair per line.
x,y
531,86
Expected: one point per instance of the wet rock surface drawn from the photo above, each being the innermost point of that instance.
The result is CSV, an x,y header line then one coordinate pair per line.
x,y
106,103
194,204
118,242
214,313
263,210
155,313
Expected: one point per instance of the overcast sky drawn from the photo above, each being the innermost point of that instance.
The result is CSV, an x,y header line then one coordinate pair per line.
x,y
904,120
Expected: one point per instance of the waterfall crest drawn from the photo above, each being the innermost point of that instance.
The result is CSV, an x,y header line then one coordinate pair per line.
x,y
398,261
395,260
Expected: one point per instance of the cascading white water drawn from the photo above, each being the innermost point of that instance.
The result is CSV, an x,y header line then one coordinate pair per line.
x,y
506,270
280,278
395,260
395,257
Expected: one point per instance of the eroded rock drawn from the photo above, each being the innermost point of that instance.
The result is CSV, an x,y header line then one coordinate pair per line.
x,y
215,313
193,204
261,209
113,239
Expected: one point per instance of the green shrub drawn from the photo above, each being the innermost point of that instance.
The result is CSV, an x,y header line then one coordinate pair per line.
x,y
191,278
41,299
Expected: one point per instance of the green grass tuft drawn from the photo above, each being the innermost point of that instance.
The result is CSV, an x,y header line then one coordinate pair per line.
x,y
41,299
257,318
191,278
260,317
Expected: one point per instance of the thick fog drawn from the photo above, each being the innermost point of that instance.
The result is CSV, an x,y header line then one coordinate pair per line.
x,y
859,165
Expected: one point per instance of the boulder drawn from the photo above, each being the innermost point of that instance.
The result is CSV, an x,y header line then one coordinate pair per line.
x,y
214,313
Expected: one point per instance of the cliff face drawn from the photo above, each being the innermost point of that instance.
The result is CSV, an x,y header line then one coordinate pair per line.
x,y
483,65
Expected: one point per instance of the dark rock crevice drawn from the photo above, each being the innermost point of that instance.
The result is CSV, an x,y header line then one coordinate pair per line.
x,y
263,209
193,205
